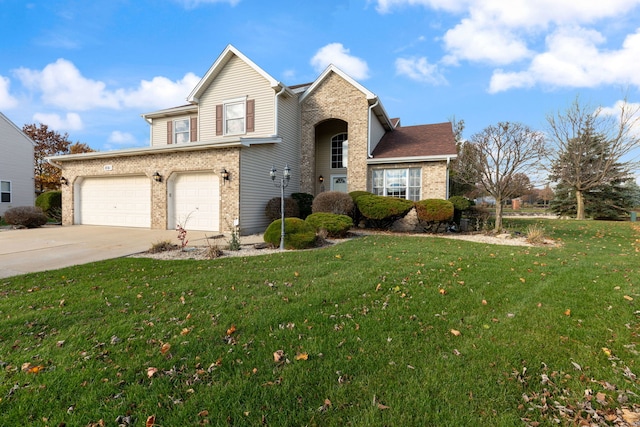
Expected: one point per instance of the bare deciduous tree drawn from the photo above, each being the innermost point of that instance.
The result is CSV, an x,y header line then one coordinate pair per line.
x,y
590,144
494,158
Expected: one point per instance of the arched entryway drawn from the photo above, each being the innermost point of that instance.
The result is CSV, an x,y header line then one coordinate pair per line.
x,y
331,155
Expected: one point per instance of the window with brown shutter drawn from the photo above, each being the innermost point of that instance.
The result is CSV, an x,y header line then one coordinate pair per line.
x,y
194,129
169,132
251,115
219,119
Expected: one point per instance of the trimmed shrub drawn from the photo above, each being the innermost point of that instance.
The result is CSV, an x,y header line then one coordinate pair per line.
x,y
299,234
335,202
434,212
50,203
335,225
355,194
305,200
460,204
272,210
25,216
381,211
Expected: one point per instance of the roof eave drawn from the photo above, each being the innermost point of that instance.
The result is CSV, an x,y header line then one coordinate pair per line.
x,y
411,159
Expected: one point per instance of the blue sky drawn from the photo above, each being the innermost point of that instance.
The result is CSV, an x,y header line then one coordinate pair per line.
x,y
90,68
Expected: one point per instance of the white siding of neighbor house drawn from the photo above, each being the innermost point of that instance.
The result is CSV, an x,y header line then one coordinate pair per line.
x,y
256,187
159,135
237,80
16,164
377,132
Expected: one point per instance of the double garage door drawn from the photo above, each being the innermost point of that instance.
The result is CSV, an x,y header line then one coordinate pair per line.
x,y
125,201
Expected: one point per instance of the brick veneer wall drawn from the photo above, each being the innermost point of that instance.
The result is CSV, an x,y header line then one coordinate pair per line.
x,y
335,98
165,164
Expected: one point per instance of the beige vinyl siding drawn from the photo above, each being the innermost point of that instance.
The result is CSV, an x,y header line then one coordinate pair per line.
x,y
16,165
237,80
159,128
377,132
256,188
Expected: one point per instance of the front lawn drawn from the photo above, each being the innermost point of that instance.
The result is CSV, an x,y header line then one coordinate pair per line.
x,y
377,331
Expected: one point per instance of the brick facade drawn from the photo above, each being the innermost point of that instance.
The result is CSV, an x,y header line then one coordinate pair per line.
x,y
166,164
335,98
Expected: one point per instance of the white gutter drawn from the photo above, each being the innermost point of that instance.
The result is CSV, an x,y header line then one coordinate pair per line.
x,y
417,159
371,107
52,163
276,122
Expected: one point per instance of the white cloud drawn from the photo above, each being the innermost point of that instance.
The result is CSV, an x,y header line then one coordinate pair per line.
x,y
121,138
62,85
71,121
420,70
338,55
573,58
6,100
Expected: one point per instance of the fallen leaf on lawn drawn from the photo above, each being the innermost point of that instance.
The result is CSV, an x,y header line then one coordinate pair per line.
x,y
182,299
628,298
383,407
576,366
151,371
278,356
442,291
606,351
35,369
456,332
378,286
203,413
302,356
338,256
185,331
151,421
522,279
567,312
456,352
60,343
165,348
601,398
62,303
231,330
325,406
484,302
630,417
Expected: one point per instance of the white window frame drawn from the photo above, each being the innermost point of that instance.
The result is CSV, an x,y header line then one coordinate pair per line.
x,y
176,133
4,192
344,151
225,119
380,185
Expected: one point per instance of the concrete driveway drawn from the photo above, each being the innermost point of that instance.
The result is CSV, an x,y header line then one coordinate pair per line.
x,y
53,247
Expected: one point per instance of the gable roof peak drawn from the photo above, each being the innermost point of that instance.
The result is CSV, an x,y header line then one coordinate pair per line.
x,y
229,52
334,69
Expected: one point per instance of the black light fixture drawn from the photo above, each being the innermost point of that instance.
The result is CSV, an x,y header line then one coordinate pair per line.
x,y
321,179
64,181
157,177
225,175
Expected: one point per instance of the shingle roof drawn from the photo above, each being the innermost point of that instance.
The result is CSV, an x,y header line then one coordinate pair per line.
x,y
417,141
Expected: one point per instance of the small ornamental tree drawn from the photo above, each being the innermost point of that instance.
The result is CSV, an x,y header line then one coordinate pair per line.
x,y
305,201
460,204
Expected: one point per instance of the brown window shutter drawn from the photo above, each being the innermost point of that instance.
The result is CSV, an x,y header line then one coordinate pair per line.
x,y
251,115
194,129
219,119
169,132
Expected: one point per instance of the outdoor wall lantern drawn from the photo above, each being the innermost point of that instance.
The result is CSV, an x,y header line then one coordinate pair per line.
x,y
225,175
157,177
284,182
321,179
64,181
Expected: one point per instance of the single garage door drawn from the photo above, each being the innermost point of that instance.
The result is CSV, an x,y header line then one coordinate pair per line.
x,y
194,201
123,201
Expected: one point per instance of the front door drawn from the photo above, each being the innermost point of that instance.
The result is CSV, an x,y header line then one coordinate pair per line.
x,y
339,183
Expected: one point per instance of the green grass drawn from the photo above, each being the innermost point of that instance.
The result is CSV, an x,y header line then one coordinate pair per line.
x,y
375,316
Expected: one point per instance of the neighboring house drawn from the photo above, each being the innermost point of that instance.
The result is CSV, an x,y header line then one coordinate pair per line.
x,y
208,163
16,167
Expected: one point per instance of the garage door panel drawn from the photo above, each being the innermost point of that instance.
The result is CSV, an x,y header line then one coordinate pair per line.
x,y
116,201
194,199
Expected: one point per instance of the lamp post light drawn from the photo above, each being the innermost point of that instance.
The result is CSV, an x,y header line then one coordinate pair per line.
x,y
284,182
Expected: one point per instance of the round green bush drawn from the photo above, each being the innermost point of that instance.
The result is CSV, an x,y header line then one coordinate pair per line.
x,y
298,234
51,203
434,210
335,225
381,207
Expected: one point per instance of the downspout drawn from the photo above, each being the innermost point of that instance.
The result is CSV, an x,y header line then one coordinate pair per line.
x,y
277,120
447,186
371,107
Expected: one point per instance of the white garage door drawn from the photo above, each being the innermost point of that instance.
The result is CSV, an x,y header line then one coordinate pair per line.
x,y
121,201
194,201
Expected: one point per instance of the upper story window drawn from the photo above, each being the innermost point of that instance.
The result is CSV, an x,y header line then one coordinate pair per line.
x,y
235,117
5,191
339,151
400,183
181,131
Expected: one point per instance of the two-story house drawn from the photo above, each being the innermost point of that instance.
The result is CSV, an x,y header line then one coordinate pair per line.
x,y
17,186
208,162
